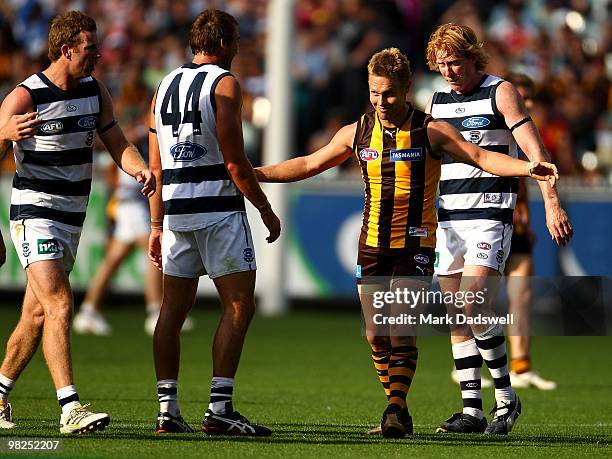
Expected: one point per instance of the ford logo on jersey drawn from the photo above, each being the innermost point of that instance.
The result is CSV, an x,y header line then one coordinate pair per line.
x,y
369,154
52,127
88,122
407,154
187,151
475,122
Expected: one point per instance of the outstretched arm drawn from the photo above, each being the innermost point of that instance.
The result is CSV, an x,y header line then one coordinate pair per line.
x,y
302,167
512,107
124,153
228,99
443,136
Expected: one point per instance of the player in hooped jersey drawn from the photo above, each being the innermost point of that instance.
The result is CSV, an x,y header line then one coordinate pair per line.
x,y
475,214
51,119
398,148
198,219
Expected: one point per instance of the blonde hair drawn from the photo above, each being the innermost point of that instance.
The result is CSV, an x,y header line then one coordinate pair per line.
x,y
453,39
391,63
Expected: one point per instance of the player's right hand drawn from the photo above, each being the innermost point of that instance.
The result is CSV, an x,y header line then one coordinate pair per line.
x,y
20,127
154,252
272,223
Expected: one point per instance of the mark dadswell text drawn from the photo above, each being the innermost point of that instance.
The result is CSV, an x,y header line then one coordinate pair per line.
x,y
433,319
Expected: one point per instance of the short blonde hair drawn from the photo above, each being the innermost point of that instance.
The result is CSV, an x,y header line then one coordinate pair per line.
x,y
391,63
455,39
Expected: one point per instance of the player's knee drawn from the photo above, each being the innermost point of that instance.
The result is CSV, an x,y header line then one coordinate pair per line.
x,y
241,310
379,343
58,310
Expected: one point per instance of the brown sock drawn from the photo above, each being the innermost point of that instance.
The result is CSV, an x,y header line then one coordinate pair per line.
x,y
381,363
402,366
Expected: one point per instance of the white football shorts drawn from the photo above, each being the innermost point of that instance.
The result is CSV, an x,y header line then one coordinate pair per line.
x,y
132,221
483,243
40,239
223,248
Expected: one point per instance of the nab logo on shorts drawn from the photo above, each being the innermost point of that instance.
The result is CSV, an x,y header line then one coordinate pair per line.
x,y
248,255
47,246
407,154
369,154
187,151
358,272
25,249
500,256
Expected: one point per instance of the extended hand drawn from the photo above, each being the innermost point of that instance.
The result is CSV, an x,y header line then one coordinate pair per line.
x,y
148,180
543,171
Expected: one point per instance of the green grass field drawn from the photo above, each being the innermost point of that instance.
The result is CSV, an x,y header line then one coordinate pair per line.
x,y
309,377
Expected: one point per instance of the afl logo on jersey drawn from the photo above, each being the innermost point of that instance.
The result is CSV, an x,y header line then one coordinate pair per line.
x,y
187,151
88,122
52,127
369,154
475,122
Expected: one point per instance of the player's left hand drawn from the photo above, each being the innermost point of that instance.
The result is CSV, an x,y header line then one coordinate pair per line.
x,y
544,171
148,180
558,224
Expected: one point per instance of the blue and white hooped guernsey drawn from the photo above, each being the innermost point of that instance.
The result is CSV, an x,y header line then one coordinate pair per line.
x,y
468,193
197,190
53,168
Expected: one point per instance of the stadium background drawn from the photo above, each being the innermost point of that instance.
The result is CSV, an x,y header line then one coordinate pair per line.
x,y
564,45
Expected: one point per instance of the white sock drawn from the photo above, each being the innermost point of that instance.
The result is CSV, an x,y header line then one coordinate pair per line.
x,y
221,391
6,386
87,307
167,394
468,363
492,347
68,398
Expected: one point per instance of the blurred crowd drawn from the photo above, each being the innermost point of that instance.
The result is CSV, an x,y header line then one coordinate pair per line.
x,y
563,45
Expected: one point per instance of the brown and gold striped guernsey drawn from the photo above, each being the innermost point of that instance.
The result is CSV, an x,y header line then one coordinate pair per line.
x,y
401,174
